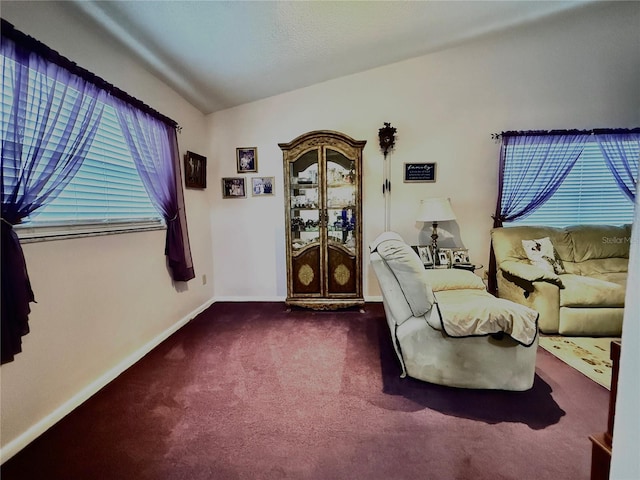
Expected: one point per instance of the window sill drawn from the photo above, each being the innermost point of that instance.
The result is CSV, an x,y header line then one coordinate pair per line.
x,y
62,231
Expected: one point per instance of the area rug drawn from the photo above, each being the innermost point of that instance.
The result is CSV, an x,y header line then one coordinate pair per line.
x,y
591,356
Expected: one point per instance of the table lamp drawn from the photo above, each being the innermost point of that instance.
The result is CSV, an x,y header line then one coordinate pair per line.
x,y
435,210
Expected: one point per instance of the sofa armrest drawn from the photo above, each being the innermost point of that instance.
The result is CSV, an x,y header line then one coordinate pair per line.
x,y
544,297
529,273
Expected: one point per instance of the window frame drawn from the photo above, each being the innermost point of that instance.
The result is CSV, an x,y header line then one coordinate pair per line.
x,y
67,230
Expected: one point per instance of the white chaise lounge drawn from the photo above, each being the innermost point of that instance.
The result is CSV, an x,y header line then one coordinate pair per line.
x,y
447,329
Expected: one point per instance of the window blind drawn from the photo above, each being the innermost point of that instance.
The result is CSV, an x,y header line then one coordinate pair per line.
x,y
106,189
588,195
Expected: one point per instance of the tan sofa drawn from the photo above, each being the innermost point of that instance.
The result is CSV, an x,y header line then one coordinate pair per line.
x,y
586,300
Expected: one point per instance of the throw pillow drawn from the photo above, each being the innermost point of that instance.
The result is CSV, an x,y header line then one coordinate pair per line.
x,y
542,253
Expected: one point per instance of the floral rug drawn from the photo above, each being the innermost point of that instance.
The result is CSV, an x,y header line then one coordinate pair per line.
x,y
591,356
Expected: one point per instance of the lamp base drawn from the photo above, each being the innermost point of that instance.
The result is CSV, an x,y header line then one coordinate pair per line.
x,y
434,240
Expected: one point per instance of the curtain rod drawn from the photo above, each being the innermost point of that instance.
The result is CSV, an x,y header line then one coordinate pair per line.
x,y
40,49
595,131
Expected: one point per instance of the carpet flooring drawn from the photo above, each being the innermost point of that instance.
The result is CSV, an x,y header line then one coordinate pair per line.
x,y
591,356
253,391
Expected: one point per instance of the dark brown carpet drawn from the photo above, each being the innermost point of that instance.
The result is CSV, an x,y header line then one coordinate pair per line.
x,y
251,391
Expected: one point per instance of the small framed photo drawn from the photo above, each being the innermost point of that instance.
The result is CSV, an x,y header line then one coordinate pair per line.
x,y
419,172
261,186
195,170
424,252
460,256
233,187
247,159
444,257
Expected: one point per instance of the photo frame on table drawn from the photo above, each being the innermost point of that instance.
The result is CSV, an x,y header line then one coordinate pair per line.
x,y
424,252
262,186
195,170
247,159
445,256
419,173
234,187
460,256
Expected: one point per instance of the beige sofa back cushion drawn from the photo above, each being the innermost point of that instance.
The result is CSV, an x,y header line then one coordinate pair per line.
x,y
584,249
599,241
507,242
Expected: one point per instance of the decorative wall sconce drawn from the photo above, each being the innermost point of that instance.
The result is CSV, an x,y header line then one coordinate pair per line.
x,y
387,140
387,136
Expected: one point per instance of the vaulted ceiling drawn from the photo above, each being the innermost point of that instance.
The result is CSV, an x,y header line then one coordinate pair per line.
x,y
219,54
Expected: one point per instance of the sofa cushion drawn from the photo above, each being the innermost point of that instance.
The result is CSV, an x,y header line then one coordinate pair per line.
x,y
599,241
442,279
581,291
600,266
408,269
507,242
529,272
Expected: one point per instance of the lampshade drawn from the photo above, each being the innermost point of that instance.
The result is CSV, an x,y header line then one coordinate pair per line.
x,y
435,210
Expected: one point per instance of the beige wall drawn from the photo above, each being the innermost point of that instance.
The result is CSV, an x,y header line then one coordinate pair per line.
x,y
579,71
100,299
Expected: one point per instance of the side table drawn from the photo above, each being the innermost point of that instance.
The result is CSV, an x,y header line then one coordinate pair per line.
x,y
468,267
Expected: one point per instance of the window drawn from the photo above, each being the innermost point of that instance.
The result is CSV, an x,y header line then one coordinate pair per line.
x,y
105,195
589,195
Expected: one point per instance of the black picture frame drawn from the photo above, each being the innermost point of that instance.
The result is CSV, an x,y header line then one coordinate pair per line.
x,y
234,187
195,170
247,159
420,172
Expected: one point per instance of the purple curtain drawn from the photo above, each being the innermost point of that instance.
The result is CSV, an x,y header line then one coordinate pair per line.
x,y
46,129
532,167
620,151
154,148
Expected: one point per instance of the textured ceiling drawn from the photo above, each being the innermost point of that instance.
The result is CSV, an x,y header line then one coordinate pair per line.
x,y
219,54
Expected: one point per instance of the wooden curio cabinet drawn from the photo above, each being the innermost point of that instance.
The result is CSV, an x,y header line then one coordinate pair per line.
x,y
323,214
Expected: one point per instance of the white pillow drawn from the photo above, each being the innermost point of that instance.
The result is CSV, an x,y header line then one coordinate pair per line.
x,y
542,254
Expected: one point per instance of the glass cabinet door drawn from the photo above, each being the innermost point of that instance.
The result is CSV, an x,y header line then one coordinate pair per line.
x,y
305,201
341,200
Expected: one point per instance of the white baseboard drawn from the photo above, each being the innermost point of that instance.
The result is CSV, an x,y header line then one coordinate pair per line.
x,y
17,444
249,299
376,298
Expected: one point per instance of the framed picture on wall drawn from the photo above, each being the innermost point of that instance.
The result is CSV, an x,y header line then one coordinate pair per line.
x,y
261,186
195,170
247,159
233,187
419,172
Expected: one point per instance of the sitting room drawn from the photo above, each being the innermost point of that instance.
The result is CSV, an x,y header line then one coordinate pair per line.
x,y
221,316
